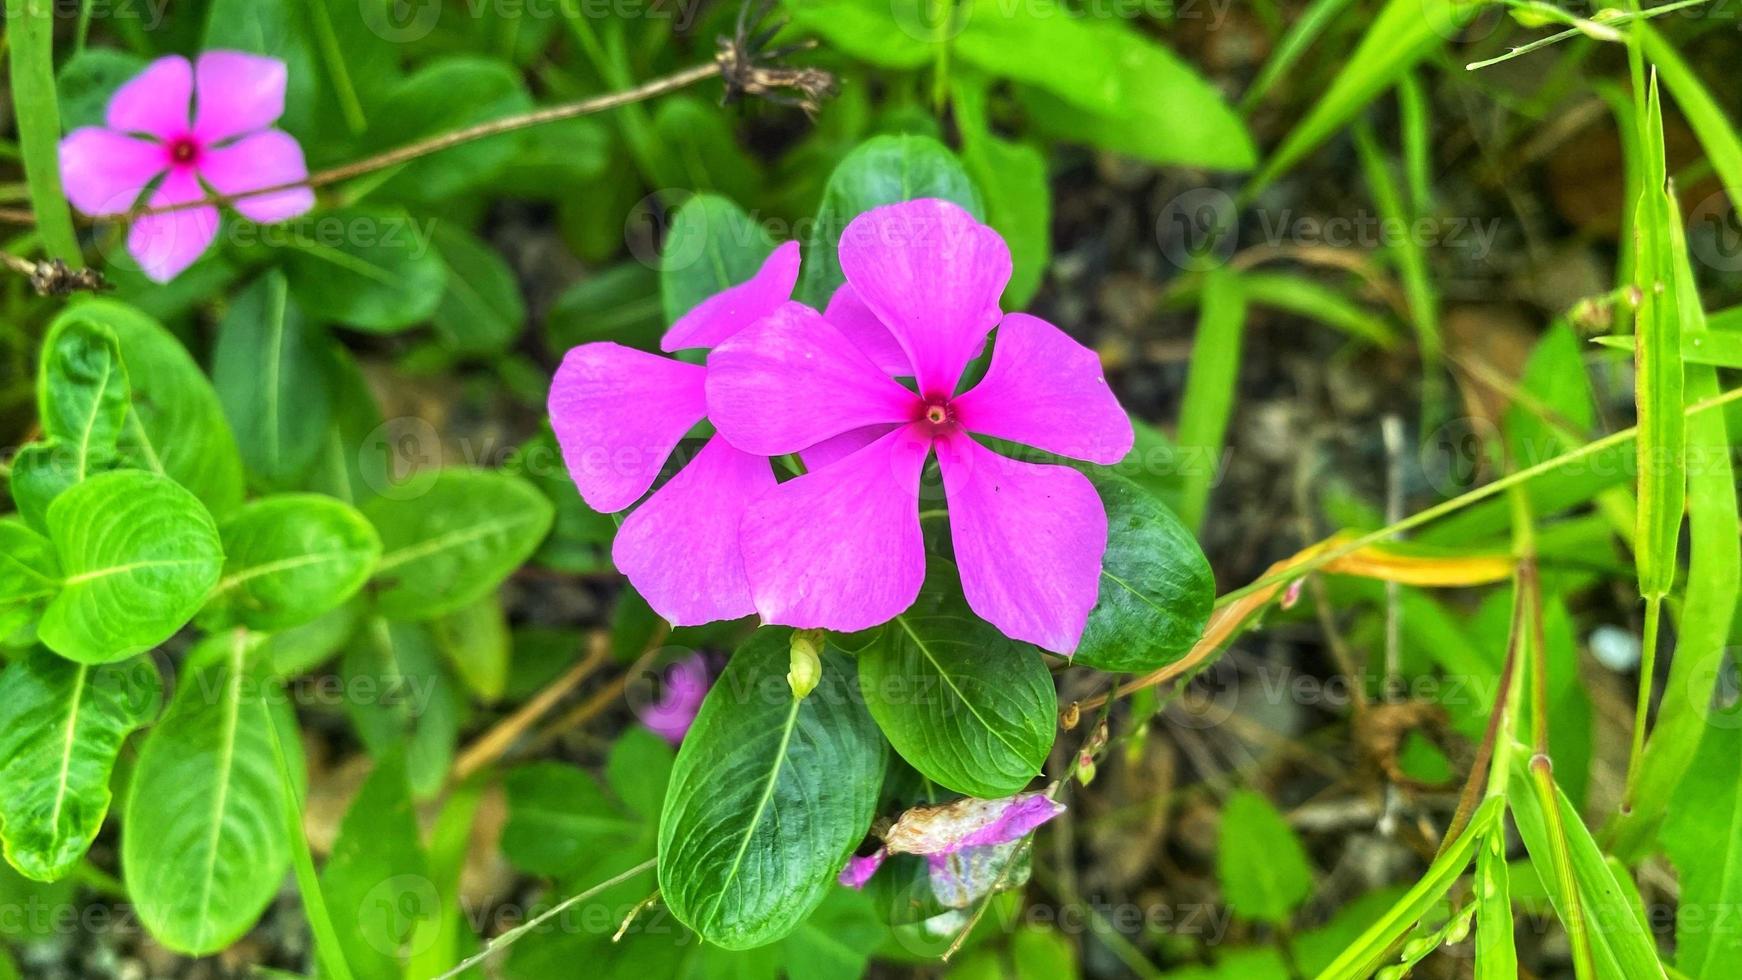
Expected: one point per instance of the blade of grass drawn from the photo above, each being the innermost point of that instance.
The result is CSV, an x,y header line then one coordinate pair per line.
x,y
1413,122
1412,267
1711,127
1209,394
31,35
1304,297
1496,954
1709,348
1306,29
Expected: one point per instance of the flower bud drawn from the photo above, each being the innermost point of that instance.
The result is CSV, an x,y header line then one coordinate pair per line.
x,y
806,667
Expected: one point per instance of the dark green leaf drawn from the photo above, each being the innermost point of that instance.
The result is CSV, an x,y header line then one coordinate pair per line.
x,y
377,881
273,371
481,311
711,244
621,303
400,700
448,94
367,269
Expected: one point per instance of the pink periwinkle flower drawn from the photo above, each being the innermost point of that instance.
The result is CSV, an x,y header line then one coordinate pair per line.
x,y
957,840
194,126
684,684
841,547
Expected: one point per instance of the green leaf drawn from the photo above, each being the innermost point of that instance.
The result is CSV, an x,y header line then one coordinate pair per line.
x,y
365,268
1098,81
289,559
1156,584
1703,835
1314,300
273,372
451,545
400,700
887,33
698,139
475,641
448,94
205,846
61,727
481,311
1496,953
1264,870
88,80
882,170
82,392
29,577
620,303
769,797
1208,401
378,878
303,648
560,820
139,555
37,123
1018,198
43,471
712,244
969,708
177,425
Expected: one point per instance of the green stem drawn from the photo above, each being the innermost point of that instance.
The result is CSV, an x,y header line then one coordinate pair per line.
x,y
38,112
1573,916
1647,672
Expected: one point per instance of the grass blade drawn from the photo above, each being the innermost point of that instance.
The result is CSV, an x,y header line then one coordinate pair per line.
x,y
38,111
1209,394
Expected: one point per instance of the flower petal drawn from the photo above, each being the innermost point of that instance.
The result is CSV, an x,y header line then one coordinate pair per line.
x,y
857,323
840,548
1047,391
265,159
944,828
165,244
1028,539
736,307
617,413
104,172
860,868
844,445
680,548
933,275
791,381
238,93
685,685
156,101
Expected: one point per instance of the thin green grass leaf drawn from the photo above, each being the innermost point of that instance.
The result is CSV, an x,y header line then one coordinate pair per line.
x,y
1210,381
31,35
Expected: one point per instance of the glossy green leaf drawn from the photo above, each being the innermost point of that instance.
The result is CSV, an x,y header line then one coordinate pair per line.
x,y
29,576
1013,178
1156,584
41,472
449,546
703,149
61,727
769,797
882,170
290,558
82,393
711,244
273,372
176,426
138,555
973,711
1264,869
366,268
205,847
481,311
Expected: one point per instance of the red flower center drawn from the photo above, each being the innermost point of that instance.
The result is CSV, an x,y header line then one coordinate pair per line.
x,y
939,413
183,150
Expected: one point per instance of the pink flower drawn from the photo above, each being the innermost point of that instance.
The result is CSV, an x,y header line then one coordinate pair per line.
x,y
841,548
194,126
685,684
618,413
964,842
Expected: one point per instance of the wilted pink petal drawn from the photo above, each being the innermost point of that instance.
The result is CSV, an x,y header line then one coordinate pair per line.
x,y
840,548
849,314
1028,540
969,823
732,309
618,413
165,244
686,684
791,381
1019,817
239,93
156,101
680,547
265,159
104,171
860,868
1045,390
933,275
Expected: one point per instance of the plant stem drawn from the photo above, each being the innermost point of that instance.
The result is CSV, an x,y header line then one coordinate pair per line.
x,y
38,112
559,908
1642,707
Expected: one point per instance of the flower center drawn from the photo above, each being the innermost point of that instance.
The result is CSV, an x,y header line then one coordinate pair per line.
x,y
939,413
183,150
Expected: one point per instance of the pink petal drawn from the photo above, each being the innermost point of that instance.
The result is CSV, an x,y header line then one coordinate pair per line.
x,y
680,548
857,323
844,445
945,828
165,244
238,93
265,159
104,172
791,381
1015,819
686,684
859,868
1047,391
617,414
840,548
1028,540
155,101
933,275
736,307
